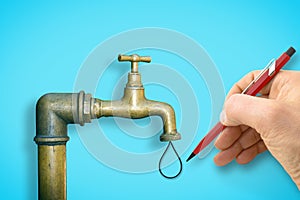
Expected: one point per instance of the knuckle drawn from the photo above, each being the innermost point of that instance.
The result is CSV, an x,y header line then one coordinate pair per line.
x,y
256,137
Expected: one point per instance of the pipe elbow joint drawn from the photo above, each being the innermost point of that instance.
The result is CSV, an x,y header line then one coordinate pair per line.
x,y
54,111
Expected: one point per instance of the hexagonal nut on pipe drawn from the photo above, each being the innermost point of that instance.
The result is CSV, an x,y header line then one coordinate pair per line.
x,y
83,104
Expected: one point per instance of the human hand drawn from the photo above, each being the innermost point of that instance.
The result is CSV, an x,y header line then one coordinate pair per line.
x,y
269,122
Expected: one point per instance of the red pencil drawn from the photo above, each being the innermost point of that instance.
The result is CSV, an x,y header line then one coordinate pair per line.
x,y
253,88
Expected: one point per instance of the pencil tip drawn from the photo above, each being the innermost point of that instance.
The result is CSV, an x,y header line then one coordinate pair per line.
x,y
190,157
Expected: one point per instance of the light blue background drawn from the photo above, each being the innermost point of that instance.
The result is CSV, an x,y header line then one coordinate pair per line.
x,y
44,44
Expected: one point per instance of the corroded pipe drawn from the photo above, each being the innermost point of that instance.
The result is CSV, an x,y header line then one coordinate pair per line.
x,y
54,111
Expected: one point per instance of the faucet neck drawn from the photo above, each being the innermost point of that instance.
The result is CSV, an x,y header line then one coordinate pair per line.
x,y
134,80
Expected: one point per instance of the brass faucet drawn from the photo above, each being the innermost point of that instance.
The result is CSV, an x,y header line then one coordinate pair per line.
x,y
54,111
135,105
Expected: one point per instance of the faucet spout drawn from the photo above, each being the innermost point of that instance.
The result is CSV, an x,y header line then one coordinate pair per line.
x,y
140,109
167,114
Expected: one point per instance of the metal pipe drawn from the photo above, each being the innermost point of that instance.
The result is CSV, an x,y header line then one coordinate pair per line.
x,y
54,111
52,171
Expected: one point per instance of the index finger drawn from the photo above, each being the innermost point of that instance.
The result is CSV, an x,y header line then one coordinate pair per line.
x,y
239,87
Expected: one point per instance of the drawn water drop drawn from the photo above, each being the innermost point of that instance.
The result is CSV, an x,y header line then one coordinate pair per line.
x,y
160,161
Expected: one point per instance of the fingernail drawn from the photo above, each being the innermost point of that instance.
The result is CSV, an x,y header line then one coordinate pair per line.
x,y
223,117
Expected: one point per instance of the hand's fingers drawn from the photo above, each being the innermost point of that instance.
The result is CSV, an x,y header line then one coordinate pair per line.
x,y
264,96
245,81
249,138
251,111
228,137
238,87
249,154
242,156
244,127
226,156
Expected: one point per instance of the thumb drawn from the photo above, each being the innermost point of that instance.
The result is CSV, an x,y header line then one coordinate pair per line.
x,y
252,111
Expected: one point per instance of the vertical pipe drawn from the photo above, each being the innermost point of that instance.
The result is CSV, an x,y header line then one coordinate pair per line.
x,y
52,172
53,113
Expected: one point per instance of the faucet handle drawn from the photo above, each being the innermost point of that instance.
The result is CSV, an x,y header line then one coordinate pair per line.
x,y
134,59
